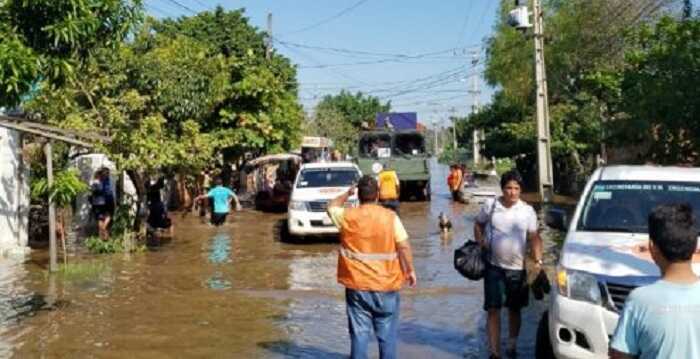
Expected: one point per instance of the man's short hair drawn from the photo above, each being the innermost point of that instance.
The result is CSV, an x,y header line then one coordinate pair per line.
x,y
219,181
512,175
672,230
367,189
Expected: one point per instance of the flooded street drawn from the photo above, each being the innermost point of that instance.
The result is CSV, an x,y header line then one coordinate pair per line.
x,y
241,291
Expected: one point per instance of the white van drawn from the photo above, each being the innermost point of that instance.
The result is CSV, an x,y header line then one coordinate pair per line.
x,y
315,185
605,254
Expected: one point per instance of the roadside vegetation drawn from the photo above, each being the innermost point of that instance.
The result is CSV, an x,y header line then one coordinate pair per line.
x,y
622,80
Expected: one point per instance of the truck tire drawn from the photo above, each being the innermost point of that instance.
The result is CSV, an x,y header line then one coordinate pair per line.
x,y
543,344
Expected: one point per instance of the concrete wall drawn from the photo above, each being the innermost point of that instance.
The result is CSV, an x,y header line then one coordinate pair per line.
x,y
87,165
14,196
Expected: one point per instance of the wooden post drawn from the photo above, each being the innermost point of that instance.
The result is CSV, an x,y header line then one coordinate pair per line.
x,y
53,263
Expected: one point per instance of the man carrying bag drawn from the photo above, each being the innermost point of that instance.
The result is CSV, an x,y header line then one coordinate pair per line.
x,y
503,228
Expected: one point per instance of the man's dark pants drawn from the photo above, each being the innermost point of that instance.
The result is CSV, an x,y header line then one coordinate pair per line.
x,y
378,310
392,204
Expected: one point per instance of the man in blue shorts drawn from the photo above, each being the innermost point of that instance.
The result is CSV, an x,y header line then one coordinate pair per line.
x,y
221,196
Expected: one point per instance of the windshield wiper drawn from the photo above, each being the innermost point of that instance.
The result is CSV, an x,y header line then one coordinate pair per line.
x,y
609,229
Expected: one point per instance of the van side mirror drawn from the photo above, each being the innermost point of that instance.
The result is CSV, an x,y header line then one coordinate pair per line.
x,y
556,218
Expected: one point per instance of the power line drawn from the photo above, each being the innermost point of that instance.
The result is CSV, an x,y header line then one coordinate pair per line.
x,y
180,5
158,10
370,53
329,19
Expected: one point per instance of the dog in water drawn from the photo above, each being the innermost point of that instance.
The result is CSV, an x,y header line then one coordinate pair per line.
x,y
444,223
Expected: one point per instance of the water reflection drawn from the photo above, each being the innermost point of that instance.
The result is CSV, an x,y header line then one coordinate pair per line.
x,y
219,254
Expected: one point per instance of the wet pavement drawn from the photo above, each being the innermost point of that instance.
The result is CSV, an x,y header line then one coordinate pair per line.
x,y
244,291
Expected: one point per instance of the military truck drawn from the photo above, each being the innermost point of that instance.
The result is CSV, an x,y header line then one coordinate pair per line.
x,y
405,152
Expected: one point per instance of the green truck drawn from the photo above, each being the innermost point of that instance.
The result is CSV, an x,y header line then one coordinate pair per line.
x,y
402,150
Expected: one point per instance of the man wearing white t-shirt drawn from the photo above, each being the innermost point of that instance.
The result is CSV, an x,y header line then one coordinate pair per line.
x,y
504,226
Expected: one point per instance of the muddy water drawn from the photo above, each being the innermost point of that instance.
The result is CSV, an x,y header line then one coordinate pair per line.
x,y
241,292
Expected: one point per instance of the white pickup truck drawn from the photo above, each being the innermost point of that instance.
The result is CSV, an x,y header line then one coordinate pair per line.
x,y
605,254
315,185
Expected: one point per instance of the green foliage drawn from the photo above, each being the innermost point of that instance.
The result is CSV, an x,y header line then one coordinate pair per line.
x,y
66,186
585,46
354,108
81,271
98,246
659,91
49,39
327,122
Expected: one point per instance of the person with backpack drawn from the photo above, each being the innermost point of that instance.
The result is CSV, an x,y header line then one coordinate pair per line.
x,y
389,188
504,227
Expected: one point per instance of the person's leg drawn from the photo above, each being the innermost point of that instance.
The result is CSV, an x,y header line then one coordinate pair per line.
x,y
494,292
386,322
514,321
517,297
359,323
493,328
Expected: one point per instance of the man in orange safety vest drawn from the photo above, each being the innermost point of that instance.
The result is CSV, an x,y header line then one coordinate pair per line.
x,y
375,261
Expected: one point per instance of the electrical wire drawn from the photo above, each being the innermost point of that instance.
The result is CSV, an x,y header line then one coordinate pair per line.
x,y
329,19
180,5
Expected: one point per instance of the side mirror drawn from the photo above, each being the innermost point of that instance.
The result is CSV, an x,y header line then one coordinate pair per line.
x,y
556,218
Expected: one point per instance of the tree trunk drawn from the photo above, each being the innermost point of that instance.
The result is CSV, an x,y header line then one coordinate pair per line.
x,y
182,193
61,231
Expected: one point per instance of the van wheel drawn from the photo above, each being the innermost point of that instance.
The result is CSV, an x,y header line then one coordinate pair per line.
x,y
543,344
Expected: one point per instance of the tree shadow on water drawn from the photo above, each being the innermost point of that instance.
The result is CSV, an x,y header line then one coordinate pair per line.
x,y
292,350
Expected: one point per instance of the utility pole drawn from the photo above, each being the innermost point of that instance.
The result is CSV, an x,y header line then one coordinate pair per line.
x,y
475,93
454,129
435,131
268,43
544,155
53,263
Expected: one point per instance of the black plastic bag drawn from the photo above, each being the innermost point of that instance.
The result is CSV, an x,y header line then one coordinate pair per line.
x,y
540,286
469,260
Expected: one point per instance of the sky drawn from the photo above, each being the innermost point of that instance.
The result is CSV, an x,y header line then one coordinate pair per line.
x,y
423,56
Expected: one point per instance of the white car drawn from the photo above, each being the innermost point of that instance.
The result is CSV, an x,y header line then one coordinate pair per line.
x,y
315,185
605,254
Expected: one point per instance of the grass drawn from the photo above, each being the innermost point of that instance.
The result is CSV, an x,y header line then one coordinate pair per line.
x,y
83,270
125,243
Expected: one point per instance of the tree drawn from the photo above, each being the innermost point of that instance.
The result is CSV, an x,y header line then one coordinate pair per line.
x,y
327,122
659,91
47,39
355,108
65,188
586,41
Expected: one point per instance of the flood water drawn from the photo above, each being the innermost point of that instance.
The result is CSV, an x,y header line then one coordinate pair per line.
x,y
242,292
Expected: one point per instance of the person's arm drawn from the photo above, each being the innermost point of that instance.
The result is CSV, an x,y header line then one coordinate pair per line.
x,y
480,225
406,261
340,200
234,199
536,247
403,249
535,239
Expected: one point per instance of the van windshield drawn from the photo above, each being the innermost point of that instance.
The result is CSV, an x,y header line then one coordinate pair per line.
x,y
327,177
624,206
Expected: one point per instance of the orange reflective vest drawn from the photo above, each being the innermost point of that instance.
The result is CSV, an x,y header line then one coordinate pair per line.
x,y
454,180
368,258
387,185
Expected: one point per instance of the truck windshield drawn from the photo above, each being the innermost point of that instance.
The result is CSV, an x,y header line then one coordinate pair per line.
x,y
375,145
409,144
327,177
624,206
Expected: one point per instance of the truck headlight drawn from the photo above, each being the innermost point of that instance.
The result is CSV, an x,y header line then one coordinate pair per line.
x,y
578,286
298,206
